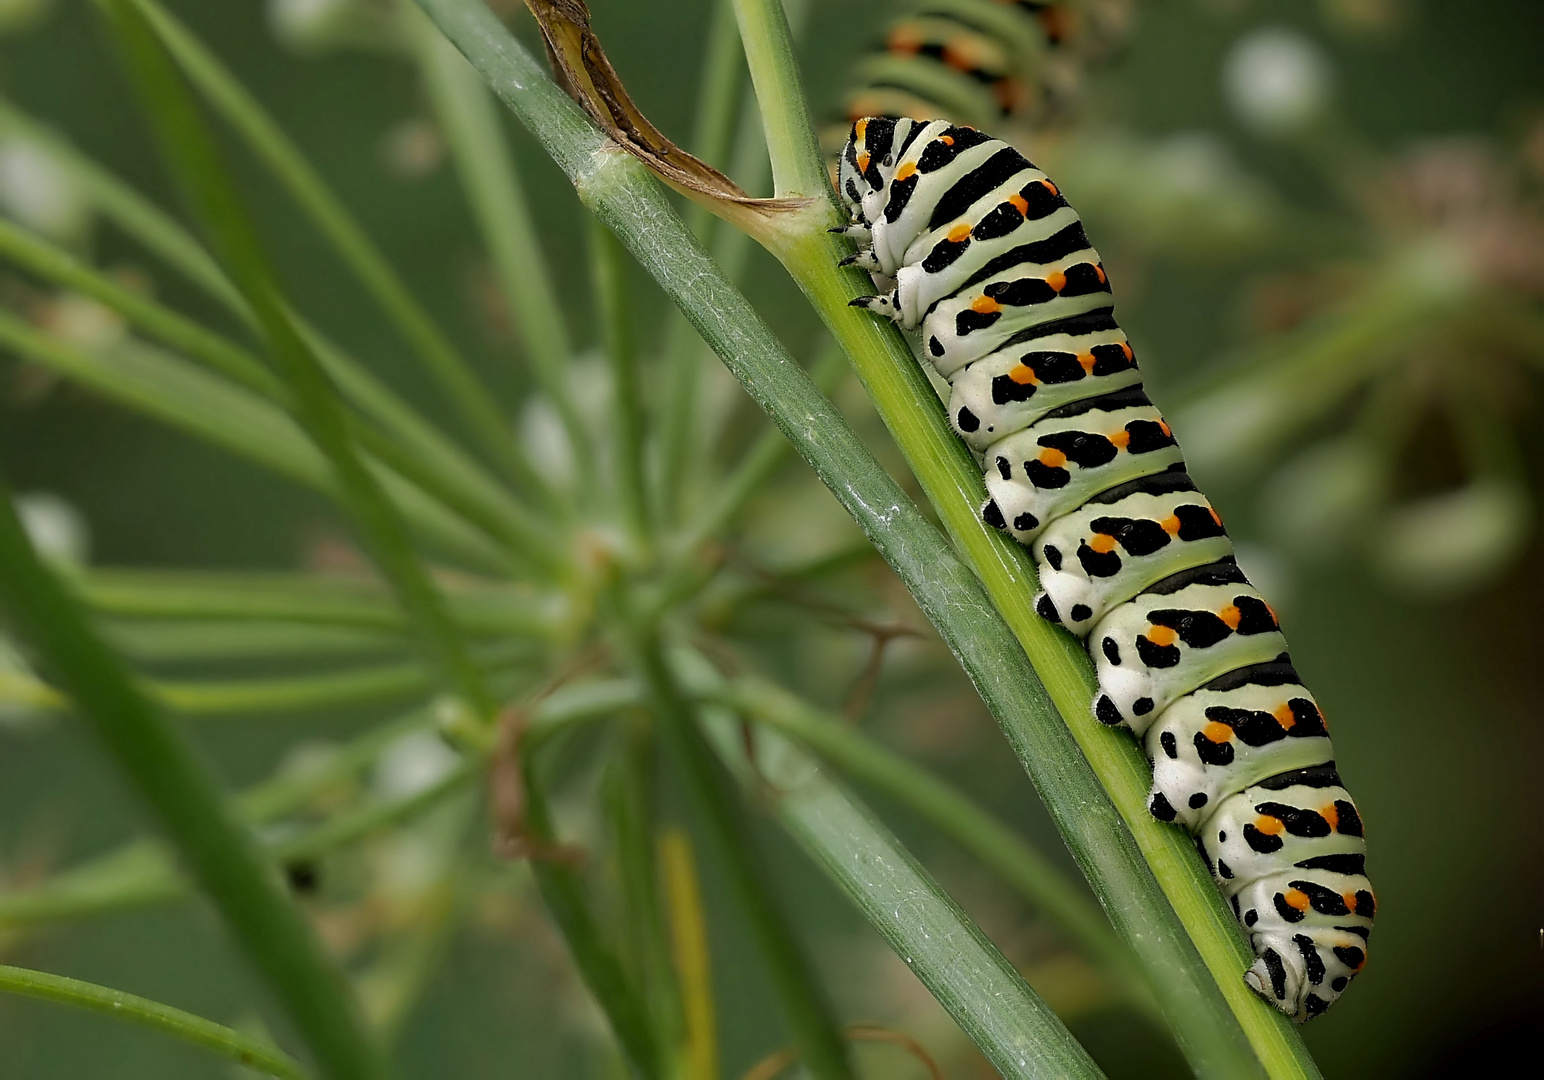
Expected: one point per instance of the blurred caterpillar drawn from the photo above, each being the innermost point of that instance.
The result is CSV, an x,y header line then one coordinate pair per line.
x,y
981,62
972,244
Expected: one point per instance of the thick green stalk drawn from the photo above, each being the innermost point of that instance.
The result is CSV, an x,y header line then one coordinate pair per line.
x,y
806,1010
197,164
952,481
161,766
1035,877
972,980
331,216
470,120
618,191
629,474
254,1053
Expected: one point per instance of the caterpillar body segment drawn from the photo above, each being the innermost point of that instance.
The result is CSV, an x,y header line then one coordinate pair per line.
x,y
978,251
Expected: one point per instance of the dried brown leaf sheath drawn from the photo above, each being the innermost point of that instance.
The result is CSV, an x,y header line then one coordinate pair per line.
x,y
584,71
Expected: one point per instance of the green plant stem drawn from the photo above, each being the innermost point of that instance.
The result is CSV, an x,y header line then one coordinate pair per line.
x,y
631,811
1032,874
254,1053
723,73
806,1010
198,166
162,768
472,127
629,472
971,979
952,481
329,214
198,641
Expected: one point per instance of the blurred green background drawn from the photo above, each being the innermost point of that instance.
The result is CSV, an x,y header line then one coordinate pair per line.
x,y
1433,698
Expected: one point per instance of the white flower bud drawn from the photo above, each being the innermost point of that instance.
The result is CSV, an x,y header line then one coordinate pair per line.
x,y
315,25
413,764
56,528
1318,502
1460,539
39,192
1276,80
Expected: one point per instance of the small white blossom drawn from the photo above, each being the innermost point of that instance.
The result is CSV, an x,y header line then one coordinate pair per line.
x,y
413,764
39,192
56,528
1276,80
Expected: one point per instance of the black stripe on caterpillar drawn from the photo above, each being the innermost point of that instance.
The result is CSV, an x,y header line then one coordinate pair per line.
x,y
974,247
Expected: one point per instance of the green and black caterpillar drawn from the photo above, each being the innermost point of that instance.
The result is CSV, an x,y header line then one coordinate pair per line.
x,y
976,248
980,62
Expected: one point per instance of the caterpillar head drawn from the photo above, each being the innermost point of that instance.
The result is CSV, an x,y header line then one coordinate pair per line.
x,y
859,178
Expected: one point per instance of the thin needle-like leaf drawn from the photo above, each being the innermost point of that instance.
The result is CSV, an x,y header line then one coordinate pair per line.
x,y
254,1053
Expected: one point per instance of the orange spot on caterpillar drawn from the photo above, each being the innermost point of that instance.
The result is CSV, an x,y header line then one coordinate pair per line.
x,y
1272,611
1046,183
906,171
1099,269
1163,635
1330,814
1087,361
960,233
905,38
1170,524
1164,427
861,108
1216,517
1121,439
1296,898
1103,543
1011,94
1019,203
1056,280
1024,375
860,129
947,140
962,53
1270,826
1126,348
1217,731
1350,899
1285,716
984,305
1052,458
863,161
1231,615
